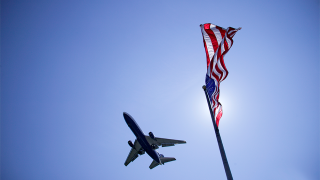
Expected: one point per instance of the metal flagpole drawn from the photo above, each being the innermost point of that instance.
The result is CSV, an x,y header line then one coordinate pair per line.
x,y
223,154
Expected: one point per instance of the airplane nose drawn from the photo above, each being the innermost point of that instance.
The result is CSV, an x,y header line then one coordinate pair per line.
x,y
127,117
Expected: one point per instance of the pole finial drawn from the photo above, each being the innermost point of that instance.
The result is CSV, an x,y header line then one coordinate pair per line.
x,y
204,87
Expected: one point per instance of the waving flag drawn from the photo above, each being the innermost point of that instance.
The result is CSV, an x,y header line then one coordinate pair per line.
x,y
217,42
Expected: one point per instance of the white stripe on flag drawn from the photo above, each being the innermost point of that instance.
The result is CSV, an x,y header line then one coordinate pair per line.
x,y
216,33
208,43
228,42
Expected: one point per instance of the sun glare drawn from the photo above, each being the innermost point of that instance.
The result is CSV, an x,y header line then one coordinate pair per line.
x,y
203,113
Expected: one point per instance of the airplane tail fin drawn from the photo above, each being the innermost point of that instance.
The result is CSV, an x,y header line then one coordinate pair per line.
x,y
163,160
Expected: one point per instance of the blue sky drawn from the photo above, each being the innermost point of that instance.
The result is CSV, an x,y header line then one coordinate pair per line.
x,y
70,68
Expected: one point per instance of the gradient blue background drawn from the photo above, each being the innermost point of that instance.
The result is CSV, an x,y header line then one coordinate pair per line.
x,y
70,68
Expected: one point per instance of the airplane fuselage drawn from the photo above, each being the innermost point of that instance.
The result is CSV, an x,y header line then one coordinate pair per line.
x,y
141,137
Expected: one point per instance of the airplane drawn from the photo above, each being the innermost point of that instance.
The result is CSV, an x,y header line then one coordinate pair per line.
x,y
148,144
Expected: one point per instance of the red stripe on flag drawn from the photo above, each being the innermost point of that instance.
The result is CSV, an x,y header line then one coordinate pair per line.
x,y
212,36
218,117
222,31
224,67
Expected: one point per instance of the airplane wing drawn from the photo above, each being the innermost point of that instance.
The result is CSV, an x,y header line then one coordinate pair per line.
x,y
164,142
133,153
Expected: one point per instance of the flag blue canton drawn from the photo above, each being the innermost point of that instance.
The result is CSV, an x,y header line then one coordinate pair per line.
x,y
210,86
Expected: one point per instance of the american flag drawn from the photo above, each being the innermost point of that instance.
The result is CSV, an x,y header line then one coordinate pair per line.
x,y
217,42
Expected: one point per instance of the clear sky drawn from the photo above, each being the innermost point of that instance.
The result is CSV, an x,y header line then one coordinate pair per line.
x,y
70,68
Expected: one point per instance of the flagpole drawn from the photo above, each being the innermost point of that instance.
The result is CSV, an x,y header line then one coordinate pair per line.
x,y
222,152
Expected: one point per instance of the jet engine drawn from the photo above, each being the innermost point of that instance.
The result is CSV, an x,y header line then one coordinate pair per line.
x,y
141,152
130,144
151,135
154,146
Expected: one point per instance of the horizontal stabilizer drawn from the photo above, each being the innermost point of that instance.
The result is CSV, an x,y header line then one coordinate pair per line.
x,y
153,164
163,160
167,159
